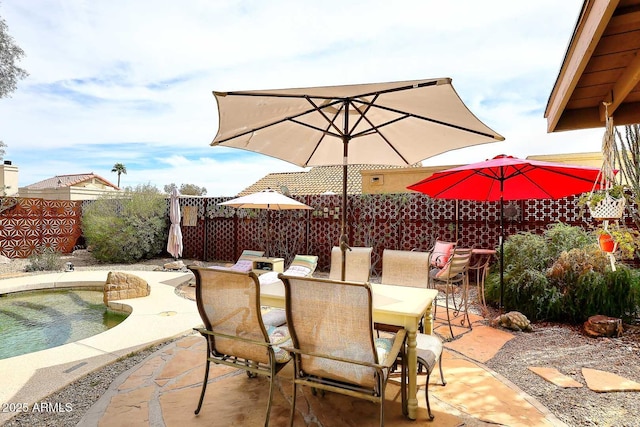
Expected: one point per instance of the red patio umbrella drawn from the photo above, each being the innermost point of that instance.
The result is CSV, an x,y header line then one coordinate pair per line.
x,y
508,178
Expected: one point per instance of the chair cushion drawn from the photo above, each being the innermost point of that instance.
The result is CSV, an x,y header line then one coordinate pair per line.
x,y
307,261
441,253
274,317
298,270
429,350
383,347
242,265
268,278
251,254
280,336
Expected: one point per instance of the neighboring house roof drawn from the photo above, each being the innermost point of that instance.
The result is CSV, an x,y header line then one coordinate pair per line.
x,y
601,64
59,181
318,180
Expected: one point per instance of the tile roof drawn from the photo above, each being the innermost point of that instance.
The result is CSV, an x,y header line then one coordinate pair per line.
x,y
318,180
68,181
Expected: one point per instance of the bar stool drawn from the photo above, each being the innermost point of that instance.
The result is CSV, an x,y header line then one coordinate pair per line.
x,y
481,258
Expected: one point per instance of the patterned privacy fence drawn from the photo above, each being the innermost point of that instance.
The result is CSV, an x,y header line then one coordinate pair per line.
x,y
396,221
216,233
32,224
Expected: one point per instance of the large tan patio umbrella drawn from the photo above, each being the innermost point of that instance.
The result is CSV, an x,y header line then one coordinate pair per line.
x,y
397,123
268,199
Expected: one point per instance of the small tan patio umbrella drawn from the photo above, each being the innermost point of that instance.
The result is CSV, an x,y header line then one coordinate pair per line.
x,y
396,123
268,199
174,244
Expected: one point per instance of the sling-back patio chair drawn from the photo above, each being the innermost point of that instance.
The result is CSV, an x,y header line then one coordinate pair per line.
x,y
357,265
429,350
229,305
333,343
404,268
452,279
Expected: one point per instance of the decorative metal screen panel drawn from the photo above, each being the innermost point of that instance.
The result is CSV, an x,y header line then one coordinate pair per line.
x,y
35,224
216,233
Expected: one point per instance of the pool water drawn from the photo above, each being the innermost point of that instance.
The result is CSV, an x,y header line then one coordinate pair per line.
x,y
37,320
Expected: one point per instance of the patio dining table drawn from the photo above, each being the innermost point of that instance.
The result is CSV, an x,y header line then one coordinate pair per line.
x,y
402,306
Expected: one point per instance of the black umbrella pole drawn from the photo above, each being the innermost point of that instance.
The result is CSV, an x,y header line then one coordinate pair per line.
x,y
344,240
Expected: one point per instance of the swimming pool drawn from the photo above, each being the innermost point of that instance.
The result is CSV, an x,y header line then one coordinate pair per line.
x,y
37,320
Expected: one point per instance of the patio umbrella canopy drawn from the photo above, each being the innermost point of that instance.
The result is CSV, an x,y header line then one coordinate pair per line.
x,y
174,244
268,199
397,123
508,178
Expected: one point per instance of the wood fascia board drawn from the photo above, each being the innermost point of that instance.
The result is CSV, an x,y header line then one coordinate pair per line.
x,y
589,30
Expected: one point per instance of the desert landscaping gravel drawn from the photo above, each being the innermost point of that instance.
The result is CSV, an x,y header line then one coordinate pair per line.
x,y
549,345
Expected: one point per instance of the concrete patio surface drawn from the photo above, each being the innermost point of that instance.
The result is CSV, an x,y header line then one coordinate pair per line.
x,y
164,390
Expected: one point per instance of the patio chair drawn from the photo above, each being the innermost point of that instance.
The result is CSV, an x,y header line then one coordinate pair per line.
x,y
452,279
302,265
429,349
333,343
358,264
404,268
245,261
229,305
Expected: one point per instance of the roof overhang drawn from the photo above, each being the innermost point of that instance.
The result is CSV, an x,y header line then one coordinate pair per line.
x,y
601,65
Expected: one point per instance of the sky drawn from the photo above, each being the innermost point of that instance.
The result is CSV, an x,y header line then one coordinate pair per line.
x,y
131,81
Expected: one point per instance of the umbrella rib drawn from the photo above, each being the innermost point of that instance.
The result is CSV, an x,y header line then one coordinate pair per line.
x,y
285,119
338,99
407,115
376,129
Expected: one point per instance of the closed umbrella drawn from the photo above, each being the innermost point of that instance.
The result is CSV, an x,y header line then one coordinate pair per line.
x,y
174,244
397,123
268,199
508,178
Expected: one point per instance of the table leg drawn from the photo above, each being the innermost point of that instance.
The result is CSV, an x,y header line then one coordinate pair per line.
x,y
428,321
412,373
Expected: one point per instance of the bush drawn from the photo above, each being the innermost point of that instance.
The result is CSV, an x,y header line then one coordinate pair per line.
x,y
126,229
45,259
562,275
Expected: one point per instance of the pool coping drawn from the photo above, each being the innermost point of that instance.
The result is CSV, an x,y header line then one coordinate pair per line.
x,y
162,315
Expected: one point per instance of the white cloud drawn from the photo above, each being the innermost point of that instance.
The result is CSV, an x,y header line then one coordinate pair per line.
x,y
130,81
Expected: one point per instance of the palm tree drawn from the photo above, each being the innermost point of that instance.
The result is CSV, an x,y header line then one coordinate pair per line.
x,y
119,168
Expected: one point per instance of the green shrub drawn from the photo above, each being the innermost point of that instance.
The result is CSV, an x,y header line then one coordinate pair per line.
x,y
126,229
45,259
562,275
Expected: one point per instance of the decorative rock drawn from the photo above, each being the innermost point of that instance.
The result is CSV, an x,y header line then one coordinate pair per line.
x,y
513,320
121,285
603,326
174,265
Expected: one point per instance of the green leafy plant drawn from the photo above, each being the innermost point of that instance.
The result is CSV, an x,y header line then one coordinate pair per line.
x,y
129,228
562,275
45,259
